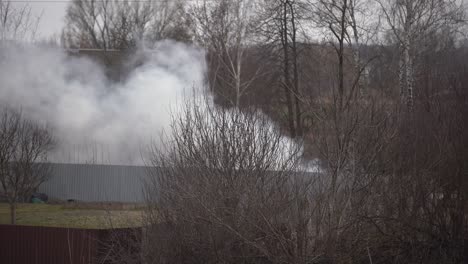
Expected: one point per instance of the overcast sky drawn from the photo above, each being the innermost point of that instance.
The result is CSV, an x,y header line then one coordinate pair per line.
x,y
52,19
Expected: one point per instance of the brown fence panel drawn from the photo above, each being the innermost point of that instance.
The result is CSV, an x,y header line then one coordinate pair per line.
x,y
49,245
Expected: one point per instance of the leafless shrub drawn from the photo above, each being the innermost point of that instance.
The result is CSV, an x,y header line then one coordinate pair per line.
x,y
423,202
121,246
225,188
24,146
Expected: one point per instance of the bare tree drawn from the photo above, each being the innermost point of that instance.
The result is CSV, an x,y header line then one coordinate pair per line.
x,y
334,16
24,146
410,22
281,28
225,29
17,22
120,25
225,188
348,26
349,133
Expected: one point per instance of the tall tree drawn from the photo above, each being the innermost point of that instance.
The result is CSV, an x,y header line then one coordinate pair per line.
x,y
281,28
410,22
341,118
347,25
225,29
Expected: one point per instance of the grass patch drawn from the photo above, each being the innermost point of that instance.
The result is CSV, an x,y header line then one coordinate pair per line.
x,y
59,216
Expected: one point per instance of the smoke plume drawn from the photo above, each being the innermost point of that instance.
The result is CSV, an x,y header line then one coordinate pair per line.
x,y
97,120
94,119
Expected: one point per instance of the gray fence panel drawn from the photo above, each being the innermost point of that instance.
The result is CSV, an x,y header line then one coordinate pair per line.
x,y
95,183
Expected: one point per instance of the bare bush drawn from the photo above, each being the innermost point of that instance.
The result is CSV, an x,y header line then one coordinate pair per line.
x,y
225,188
24,146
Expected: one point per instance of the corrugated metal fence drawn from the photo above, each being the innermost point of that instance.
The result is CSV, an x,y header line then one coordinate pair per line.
x,y
95,183
49,245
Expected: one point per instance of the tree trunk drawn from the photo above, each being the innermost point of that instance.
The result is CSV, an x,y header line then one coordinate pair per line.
x,y
13,213
238,80
341,55
296,74
406,73
356,50
409,78
287,79
402,76
407,54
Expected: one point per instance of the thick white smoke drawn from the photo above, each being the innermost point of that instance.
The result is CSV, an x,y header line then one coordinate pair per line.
x,y
94,119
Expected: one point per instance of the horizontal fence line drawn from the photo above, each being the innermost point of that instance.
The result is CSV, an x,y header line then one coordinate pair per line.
x,y
53,245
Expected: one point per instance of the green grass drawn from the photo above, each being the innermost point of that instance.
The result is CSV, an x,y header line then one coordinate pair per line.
x,y
58,216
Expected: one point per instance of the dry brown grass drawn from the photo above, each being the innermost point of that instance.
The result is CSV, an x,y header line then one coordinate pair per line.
x,y
56,215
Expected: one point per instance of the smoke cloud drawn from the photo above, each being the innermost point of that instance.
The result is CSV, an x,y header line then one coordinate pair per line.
x,y
94,119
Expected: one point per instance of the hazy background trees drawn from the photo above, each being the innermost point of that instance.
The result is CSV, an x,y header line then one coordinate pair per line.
x,y
225,29
123,24
17,22
282,33
412,23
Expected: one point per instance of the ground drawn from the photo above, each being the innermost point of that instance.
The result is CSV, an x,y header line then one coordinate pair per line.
x,y
56,215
